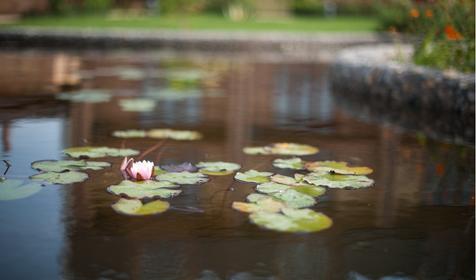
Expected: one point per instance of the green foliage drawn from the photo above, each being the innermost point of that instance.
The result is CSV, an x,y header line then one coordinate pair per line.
x,y
445,29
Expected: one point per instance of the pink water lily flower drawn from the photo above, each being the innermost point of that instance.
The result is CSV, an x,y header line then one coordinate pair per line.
x,y
139,171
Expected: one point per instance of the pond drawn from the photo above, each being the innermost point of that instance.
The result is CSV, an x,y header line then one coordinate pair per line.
x,y
415,222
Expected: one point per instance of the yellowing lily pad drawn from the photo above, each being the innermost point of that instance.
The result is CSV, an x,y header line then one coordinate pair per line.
x,y
268,205
130,133
338,181
135,207
290,163
338,167
97,152
217,168
137,105
253,176
183,178
68,165
87,96
282,149
292,220
165,133
12,189
144,189
61,178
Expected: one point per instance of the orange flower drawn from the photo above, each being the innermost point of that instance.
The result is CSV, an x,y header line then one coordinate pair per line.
x,y
414,13
452,34
428,13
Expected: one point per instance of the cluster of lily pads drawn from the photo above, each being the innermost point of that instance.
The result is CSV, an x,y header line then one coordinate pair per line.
x,y
159,133
280,202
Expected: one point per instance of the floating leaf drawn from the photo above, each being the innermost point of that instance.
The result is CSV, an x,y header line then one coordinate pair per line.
x,y
185,75
186,166
285,180
129,74
62,178
338,167
290,163
291,196
144,189
254,197
298,185
130,133
268,205
163,133
183,178
137,105
253,176
89,96
158,170
65,165
170,94
292,220
282,149
135,207
338,181
313,191
97,152
218,168
12,189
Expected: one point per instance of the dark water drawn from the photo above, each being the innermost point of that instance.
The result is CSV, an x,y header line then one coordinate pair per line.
x,y
417,222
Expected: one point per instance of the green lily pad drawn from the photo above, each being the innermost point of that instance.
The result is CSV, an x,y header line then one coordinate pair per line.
x,y
129,74
290,163
254,197
158,170
292,220
267,205
71,165
164,133
130,133
291,196
170,94
137,105
338,181
217,168
185,75
183,178
12,189
62,178
299,186
135,207
339,167
144,189
88,96
97,152
253,176
282,149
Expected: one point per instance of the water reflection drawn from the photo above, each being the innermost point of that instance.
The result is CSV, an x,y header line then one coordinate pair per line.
x,y
417,222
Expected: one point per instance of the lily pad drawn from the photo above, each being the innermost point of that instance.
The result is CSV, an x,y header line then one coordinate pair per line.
x,y
253,176
183,178
282,149
286,180
130,133
339,167
68,165
290,163
338,181
97,152
144,189
186,166
137,105
61,178
129,74
185,75
158,170
170,94
218,168
12,189
88,96
291,196
292,220
254,197
298,185
135,207
267,205
164,133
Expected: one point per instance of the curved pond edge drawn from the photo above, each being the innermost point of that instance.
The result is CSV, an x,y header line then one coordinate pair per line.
x,y
384,86
320,46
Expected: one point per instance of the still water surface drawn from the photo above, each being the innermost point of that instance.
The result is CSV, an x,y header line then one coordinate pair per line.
x,y
417,222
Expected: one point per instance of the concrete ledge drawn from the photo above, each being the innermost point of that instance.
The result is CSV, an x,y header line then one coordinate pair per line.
x,y
316,45
380,80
